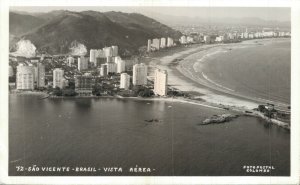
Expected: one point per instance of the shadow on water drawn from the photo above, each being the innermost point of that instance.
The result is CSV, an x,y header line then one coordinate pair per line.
x,y
83,104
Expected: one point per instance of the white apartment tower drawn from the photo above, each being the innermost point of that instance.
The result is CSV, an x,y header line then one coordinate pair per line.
x,y
10,71
125,81
120,64
149,45
58,78
160,82
163,42
139,74
93,53
108,51
115,51
156,44
183,39
82,63
170,42
103,70
111,67
25,77
206,39
100,53
189,39
40,75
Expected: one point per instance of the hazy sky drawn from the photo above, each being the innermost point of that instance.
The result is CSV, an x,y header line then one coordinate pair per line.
x,y
266,13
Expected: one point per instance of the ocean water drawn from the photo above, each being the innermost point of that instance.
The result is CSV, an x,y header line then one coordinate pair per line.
x,y
263,71
113,133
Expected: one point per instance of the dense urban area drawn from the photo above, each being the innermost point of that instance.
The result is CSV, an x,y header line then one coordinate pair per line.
x,y
105,73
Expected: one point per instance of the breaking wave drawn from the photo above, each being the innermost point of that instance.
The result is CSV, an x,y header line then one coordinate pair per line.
x,y
221,86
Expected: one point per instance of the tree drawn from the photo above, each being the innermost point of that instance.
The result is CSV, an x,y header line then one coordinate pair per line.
x,y
12,79
71,85
57,91
49,88
97,90
145,93
261,108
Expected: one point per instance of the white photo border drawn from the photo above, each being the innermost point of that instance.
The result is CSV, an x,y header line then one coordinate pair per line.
x,y
295,94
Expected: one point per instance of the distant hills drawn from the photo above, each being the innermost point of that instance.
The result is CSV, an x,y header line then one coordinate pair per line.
x,y
228,21
21,24
53,32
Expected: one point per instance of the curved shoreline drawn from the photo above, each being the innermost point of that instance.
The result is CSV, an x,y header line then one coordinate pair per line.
x,y
181,78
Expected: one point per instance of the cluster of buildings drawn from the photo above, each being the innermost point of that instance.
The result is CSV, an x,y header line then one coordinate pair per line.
x,y
186,39
106,60
139,78
233,36
98,56
157,44
113,65
84,83
102,65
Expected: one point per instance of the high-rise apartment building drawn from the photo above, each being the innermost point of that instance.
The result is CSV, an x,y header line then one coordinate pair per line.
x,y
125,81
58,78
82,63
120,64
160,82
25,77
40,75
139,74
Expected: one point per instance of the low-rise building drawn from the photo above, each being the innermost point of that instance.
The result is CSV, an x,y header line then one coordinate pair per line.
x,y
84,84
220,38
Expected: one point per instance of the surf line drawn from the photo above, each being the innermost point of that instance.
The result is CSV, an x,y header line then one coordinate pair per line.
x,y
209,80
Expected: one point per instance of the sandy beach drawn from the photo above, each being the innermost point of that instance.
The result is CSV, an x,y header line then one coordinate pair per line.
x,y
180,77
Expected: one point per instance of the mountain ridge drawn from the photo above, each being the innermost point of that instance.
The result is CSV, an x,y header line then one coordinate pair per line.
x,y
60,28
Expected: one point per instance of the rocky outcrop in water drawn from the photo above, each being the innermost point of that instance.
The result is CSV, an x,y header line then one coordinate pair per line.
x,y
219,119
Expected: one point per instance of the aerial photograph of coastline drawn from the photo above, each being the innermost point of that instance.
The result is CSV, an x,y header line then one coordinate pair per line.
x,y
149,91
